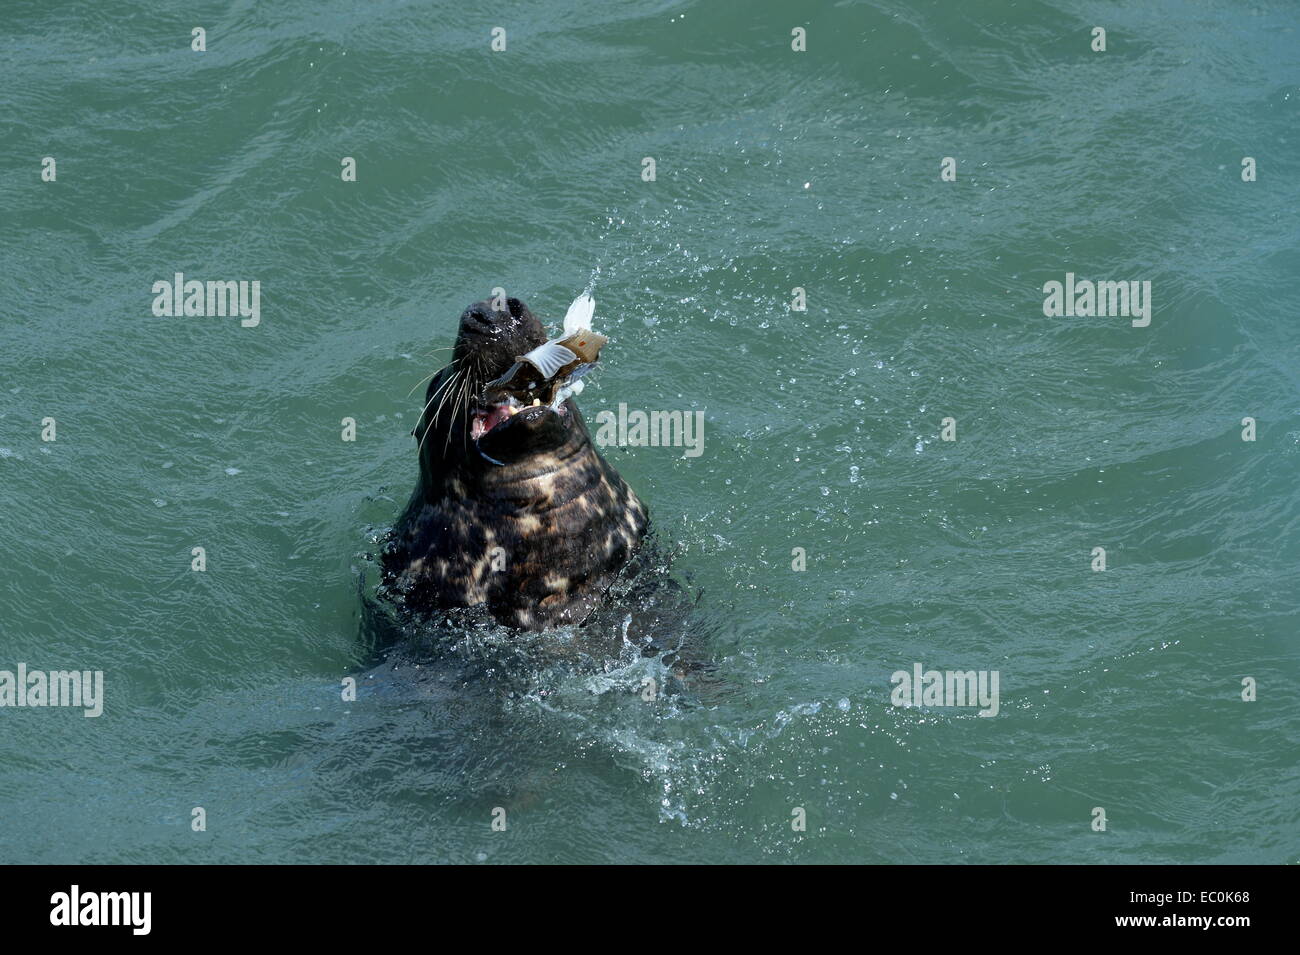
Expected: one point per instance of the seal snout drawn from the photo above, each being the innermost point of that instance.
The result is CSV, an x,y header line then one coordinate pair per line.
x,y
491,337
483,320
477,321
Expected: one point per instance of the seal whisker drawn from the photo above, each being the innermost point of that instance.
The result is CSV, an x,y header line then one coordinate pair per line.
x,y
427,377
452,393
436,373
430,401
446,389
440,387
462,394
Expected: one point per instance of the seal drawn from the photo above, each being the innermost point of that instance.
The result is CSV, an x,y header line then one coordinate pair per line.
x,y
515,509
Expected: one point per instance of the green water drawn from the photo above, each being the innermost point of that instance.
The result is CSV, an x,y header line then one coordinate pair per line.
x,y
774,169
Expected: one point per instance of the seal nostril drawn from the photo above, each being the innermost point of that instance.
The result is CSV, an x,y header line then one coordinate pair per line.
x,y
478,320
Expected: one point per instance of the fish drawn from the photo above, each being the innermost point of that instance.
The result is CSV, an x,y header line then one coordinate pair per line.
x,y
558,364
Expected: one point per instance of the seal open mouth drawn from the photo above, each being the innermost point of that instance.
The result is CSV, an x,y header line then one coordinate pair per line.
x,y
493,415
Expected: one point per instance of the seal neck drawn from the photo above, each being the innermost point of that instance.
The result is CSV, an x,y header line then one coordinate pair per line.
x,y
474,472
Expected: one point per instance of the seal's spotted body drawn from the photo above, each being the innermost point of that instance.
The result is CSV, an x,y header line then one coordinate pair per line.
x,y
527,518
